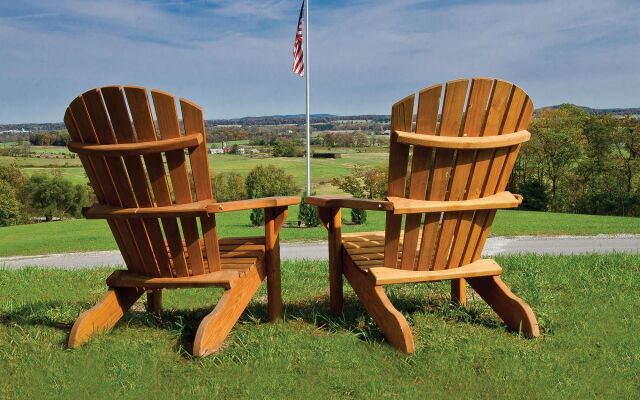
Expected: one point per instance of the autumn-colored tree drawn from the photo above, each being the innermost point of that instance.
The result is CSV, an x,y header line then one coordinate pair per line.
x,y
368,183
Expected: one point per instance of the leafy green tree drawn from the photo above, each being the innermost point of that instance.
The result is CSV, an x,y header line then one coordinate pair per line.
x,y
81,198
285,148
358,216
266,181
604,183
308,214
10,209
626,139
535,195
229,186
52,195
555,141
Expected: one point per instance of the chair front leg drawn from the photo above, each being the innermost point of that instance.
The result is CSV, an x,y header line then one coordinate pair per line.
x,y
332,219
273,221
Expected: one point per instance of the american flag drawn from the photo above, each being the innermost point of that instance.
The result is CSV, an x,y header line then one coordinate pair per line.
x,y
298,52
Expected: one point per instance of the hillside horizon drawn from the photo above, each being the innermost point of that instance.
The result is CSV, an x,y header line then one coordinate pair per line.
x,y
284,119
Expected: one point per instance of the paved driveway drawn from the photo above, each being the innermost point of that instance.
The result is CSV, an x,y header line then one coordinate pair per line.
x,y
318,250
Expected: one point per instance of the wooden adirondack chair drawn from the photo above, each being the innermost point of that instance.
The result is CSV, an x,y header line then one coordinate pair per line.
x,y
150,211
460,166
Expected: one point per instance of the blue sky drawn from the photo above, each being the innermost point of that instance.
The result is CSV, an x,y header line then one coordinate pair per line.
x,y
233,57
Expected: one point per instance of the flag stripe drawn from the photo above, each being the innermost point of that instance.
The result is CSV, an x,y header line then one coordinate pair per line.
x,y
298,52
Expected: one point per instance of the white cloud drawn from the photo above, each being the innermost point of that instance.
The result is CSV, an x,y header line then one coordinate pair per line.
x,y
234,58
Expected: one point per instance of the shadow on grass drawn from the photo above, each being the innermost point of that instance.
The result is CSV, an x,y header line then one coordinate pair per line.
x,y
355,319
183,323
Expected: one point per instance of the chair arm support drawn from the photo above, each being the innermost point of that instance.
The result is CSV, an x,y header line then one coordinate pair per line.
x,y
505,199
195,209
349,202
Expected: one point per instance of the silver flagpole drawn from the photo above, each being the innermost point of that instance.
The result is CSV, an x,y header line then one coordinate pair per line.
x,y
306,72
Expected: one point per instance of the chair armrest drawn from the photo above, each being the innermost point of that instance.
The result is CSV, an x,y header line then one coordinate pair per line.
x,y
195,209
349,202
505,199
105,211
265,202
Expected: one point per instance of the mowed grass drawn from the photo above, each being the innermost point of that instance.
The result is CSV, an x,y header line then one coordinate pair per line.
x,y
586,306
89,235
69,168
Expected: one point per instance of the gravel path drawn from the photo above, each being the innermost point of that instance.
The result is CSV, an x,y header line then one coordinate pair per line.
x,y
318,250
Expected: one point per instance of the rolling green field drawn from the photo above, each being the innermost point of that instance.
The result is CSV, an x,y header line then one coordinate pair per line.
x,y
322,169
83,235
88,235
586,306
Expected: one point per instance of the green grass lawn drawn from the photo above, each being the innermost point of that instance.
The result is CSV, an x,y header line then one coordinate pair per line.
x,y
87,235
586,306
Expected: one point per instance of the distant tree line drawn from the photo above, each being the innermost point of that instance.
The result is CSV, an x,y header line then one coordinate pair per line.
x,y
579,162
53,138
351,139
294,120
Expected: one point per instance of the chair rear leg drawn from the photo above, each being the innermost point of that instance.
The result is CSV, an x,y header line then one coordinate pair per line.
x,y
154,301
215,327
459,292
514,312
390,321
104,315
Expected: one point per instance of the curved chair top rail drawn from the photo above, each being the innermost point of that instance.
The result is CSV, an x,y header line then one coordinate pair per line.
x,y
466,135
463,142
137,148
120,133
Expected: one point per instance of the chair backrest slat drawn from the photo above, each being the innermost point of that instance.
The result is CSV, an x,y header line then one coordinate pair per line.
x,y
142,119
193,119
103,175
426,124
520,112
452,239
120,121
116,115
463,166
117,227
102,126
475,119
401,119
169,126
450,121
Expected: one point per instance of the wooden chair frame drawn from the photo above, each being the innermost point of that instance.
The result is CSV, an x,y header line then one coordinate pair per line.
x,y
126,159
461,160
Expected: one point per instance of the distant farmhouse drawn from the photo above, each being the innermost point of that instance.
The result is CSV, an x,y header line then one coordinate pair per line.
x,y
14,131
230,150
